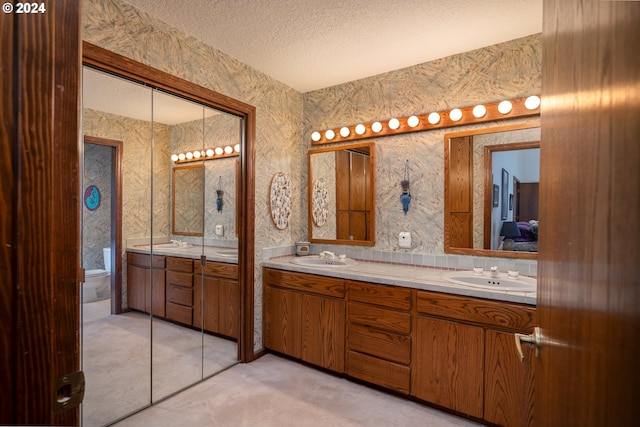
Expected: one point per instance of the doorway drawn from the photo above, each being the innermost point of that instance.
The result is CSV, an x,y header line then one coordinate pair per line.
x,y
105,162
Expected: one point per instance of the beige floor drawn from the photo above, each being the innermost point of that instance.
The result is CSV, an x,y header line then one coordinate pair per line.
x,y
275,392
129,361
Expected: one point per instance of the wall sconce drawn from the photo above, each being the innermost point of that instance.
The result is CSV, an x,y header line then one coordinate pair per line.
x,y
492,111
206,154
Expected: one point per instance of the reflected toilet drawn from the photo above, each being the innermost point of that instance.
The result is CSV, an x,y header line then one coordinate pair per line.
x,y
97,285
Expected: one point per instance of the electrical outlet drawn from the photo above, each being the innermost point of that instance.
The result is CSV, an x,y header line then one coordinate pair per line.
x,y
404,239
219,230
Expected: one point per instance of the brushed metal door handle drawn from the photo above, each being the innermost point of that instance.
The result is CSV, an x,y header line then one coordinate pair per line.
x,y
534,339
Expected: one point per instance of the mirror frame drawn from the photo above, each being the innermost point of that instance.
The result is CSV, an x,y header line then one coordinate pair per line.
x,y
110,62
371,223
447,214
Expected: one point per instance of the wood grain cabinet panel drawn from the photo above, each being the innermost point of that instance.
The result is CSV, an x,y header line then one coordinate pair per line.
x,y
379,334
508,384
179,290
146,283
303,319
217,298
449,368
283,326
323,321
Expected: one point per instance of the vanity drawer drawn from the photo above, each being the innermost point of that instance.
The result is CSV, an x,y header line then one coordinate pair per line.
x,y
305,282
377,371
179,313
145,260
180,279
217,269
179,295
493,313
180,264
386,296
382,344
379,318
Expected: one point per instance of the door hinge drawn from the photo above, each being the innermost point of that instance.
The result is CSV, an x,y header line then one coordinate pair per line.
x,y
68,391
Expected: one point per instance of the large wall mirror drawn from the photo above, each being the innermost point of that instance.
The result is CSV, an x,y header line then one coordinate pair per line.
x,y
341,194
185,287
491,197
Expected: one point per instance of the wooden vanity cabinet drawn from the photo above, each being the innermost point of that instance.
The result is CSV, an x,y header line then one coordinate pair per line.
x,y
217,298
143,293
379,335
179,290
305,317
466,360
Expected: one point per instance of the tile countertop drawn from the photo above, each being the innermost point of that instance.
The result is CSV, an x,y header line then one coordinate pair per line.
x,y
213,253
410,276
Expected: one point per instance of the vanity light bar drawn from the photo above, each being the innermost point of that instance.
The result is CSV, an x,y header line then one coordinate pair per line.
x,y
492,111
208,154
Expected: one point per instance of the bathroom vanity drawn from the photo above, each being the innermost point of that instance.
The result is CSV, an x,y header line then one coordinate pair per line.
x,y
185,292
425,338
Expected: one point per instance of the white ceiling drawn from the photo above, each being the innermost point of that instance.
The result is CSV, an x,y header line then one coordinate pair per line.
x,y
313,44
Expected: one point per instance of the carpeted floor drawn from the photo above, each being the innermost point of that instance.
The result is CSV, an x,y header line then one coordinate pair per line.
x,y
125,372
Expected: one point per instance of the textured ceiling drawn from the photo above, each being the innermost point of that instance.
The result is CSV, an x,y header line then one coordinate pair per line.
x,y
312,44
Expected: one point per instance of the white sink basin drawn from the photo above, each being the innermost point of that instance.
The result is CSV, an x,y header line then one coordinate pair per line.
x,y
316,261
230,253
502,282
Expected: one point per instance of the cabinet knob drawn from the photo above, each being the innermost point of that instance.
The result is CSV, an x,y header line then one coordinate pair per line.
x,y
534,339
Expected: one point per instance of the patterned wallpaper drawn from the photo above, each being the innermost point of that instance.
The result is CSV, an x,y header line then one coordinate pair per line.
x,y
502,71
286,118
137,186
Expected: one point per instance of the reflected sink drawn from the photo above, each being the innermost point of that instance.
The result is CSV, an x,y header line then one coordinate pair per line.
x,y
316,261
231,253
165,246
502,282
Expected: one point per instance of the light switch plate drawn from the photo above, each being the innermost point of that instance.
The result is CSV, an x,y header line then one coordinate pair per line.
x,y
404,239
219,230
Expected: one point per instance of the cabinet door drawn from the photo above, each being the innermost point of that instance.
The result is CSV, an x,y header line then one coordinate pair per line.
x,y
449,365
508,387
205,303
136,283
157,297
283,320
323,321
229,307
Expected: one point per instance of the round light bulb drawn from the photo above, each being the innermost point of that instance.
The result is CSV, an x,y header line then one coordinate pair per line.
x,y
532,102
197,154
209,152
236,148
174,157
228,149
413,121
344,132
394,124
316,136
455,114
181,156
189,155
219,151
360,129
434,118
479,111
329,134
505,107
376,127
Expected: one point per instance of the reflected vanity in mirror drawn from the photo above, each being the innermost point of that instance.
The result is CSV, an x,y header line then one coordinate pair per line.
x,y
491,179
341,194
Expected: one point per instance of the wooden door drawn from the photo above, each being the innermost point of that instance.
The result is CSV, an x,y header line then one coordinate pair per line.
x,y
39,211
323,323
588,304
283,318
526,201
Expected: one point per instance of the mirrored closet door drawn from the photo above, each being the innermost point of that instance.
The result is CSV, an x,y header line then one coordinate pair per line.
x,y
169,315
